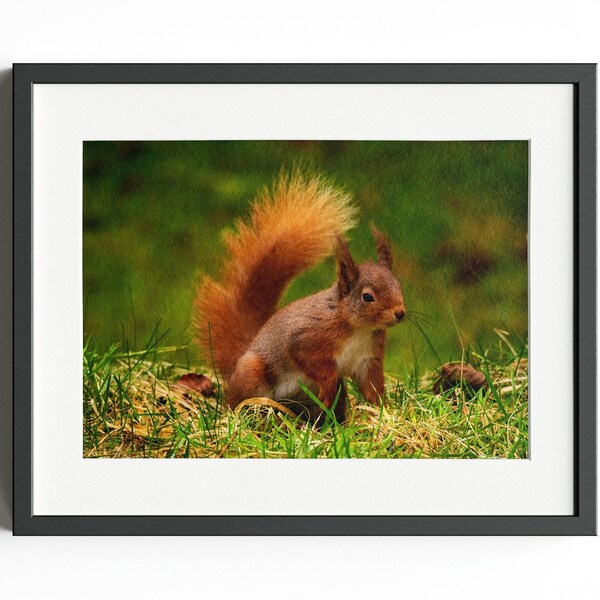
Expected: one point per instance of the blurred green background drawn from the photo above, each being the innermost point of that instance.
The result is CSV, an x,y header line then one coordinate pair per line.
x,y
456,213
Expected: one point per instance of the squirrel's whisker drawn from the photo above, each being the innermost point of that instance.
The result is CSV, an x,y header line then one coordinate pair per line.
x,y
419,317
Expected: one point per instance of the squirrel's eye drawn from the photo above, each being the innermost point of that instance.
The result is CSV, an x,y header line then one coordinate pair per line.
x,y
367,297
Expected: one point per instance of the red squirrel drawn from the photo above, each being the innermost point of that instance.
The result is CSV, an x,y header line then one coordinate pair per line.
x,y
317,340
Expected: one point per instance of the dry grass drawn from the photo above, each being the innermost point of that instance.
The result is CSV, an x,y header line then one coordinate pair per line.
x,y
133,408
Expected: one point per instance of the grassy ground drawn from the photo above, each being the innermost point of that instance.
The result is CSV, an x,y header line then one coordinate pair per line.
x,y
133,407
456,215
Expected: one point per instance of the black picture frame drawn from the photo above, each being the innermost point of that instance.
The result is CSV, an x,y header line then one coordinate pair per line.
x,y
583,79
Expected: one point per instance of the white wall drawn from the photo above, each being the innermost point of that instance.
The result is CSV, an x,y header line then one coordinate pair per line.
x,y
275,31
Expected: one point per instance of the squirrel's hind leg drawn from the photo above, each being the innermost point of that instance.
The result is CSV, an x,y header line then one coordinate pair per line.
x,y
248,380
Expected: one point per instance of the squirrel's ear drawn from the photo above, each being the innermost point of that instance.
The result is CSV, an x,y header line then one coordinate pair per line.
x,y
346,268
384,250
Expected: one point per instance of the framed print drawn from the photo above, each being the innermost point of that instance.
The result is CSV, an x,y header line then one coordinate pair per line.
x,y
327,269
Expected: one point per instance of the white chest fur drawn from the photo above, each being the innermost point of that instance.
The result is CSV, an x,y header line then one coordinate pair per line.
x,y
287,387
354,355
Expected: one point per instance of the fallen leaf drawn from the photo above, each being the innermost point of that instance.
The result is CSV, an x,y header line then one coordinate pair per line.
x,y
195,382
452,374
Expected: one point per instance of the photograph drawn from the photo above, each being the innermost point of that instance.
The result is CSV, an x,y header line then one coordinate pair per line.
x,y
305,299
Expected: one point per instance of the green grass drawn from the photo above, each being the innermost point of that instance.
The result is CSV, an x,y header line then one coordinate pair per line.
x,y
456,214
133,408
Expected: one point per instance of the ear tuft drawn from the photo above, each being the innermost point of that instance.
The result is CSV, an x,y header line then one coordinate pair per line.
x,y
384,249
346,268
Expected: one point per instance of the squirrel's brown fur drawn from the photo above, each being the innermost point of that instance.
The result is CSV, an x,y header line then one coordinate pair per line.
x,y
262,351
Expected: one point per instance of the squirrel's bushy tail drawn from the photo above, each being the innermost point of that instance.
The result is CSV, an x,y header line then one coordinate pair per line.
x,y
291,227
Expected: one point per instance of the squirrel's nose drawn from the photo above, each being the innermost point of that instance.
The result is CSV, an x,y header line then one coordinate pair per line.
x,y
400,314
